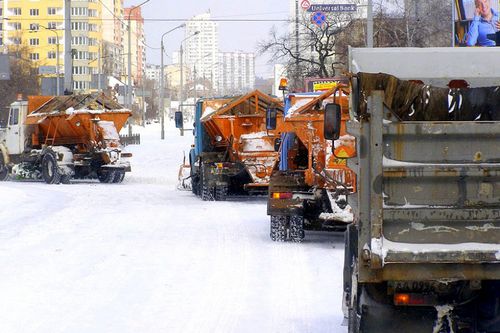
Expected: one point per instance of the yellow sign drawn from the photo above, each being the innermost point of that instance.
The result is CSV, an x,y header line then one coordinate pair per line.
x,y
324,86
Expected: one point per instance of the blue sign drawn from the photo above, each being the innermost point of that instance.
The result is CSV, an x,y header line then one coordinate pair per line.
x,y
333,8
319,18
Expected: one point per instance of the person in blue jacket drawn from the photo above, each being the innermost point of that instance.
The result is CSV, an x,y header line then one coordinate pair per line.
x,y
485,22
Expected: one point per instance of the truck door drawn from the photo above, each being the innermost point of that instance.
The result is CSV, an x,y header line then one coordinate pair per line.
x,y
14,140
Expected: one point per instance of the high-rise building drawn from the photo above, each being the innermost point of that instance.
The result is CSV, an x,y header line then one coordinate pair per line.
x,y
133,17
112,34
37,28
236,72
201,48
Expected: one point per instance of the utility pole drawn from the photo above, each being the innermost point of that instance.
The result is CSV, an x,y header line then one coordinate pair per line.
x,y
181,94
369,25
297,52
68,54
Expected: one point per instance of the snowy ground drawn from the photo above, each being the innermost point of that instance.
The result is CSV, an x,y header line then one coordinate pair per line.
x,y
144,257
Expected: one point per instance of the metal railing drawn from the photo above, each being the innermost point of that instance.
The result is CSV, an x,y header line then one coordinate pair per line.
x,y
134,139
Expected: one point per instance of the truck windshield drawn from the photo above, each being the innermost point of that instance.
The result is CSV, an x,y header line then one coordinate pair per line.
x,y
14,116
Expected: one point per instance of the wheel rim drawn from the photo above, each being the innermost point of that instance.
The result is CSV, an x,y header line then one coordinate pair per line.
x,y
50,166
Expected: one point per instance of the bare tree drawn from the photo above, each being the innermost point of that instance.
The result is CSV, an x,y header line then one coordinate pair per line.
x,y
412,23
317,55
23,80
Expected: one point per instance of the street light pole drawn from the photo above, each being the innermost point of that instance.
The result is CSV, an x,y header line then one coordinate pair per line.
x,y
162,81
181,94
129,60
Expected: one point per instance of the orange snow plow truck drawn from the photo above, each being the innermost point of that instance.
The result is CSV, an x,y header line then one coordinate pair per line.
x,y
233,153
58,138
312,187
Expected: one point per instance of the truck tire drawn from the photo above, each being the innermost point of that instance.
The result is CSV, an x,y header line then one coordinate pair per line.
x,y
296,228
119,176
207,193
106,176
279,228
4,171
220,193
50,170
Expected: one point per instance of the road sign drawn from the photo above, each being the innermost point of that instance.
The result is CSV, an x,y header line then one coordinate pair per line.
x,y
46,70
333,8
318,18
305,4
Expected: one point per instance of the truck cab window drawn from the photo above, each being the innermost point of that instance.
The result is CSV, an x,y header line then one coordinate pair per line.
x,y
14,117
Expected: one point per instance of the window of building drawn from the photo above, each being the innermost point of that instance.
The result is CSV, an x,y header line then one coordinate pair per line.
x,y
79,11
52,25
51,55
52,11
15,40
52,40
16,25
34,41
1,26
34,26
16,11
79,26
34,56
34,12
1,40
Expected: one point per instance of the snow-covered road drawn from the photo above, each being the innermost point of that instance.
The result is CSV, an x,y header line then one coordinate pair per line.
x,y
144,257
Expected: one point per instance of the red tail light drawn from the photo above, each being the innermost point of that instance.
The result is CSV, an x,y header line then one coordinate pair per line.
x,y
414,299
282,195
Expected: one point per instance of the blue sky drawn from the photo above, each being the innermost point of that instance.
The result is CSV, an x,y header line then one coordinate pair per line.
x,y
233,36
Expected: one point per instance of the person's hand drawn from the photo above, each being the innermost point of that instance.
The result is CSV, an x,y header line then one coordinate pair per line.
x,y
478,12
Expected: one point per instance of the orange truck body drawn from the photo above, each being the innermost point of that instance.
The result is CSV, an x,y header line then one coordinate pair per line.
x,y
239,127
54,125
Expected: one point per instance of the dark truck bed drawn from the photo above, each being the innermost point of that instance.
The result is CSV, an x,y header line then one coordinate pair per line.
x,y
424,253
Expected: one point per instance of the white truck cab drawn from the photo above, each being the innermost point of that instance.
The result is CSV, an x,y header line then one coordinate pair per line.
x,y
13,137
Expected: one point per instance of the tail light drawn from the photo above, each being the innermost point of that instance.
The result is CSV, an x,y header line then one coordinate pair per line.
x,y
414,299
282,195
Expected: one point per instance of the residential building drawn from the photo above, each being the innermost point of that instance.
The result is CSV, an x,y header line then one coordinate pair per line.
x,y
112,34
152,73
201,47
38,28
135,22
236,72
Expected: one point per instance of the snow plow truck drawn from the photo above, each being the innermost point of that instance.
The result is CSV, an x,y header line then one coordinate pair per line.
x,y
311,189
234,153
59,138
423,252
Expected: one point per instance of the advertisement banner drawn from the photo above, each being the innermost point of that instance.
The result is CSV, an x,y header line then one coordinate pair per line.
x,y
476,22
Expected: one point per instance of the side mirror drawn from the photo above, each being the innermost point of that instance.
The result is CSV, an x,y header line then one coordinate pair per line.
x,y
179,120
271,118
277,144
333,118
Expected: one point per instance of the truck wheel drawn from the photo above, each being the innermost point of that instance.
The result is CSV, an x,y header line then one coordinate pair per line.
x,y
207,193
106,176
119,176
4,171
296,228
50,171
65,179
279,228
220,193
353,321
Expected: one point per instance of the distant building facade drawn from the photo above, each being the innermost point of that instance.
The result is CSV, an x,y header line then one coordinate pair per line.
x,y
236,72
137,49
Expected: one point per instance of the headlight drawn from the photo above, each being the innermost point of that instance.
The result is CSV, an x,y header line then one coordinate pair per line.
x,y
218,138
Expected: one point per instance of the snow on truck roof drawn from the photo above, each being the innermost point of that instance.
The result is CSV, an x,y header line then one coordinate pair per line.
x,y
86,103
246,105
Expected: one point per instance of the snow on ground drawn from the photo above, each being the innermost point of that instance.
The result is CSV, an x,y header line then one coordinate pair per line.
x,y
144,257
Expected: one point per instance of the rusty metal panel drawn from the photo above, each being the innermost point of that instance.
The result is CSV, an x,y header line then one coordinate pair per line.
x,y
440,189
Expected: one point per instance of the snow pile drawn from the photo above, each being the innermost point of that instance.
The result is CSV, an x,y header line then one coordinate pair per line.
x,y
109,131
